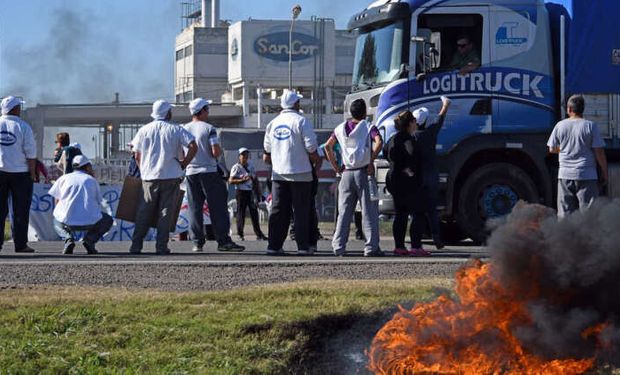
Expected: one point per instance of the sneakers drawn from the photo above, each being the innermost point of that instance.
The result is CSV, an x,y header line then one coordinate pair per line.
x,y
275,252
230,246
90,247
262,237
419,252
400,252
26,249
197,248
374,254
69,246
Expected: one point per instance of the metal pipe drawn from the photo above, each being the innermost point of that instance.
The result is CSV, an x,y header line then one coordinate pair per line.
x,y
296,12
203,14
259,94
562,66
215,13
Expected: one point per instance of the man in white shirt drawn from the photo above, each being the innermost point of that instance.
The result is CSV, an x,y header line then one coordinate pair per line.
x,y
157,147
204,181
78,207
243,176
18,154
291,148
360,143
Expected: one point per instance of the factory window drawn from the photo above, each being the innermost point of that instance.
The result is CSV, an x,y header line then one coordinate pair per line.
x,y
180,54
188,51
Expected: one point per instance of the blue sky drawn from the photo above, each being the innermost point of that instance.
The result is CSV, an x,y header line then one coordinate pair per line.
x,y
82,51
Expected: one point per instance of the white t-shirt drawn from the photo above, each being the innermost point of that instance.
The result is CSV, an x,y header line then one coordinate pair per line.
x,y
238,171
16,144
79,199
160,144
206,136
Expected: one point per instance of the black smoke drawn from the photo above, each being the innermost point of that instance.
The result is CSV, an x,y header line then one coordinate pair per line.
x,y
88,54
568,273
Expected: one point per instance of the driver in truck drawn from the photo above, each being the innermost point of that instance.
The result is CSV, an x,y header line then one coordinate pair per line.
x,y
466,59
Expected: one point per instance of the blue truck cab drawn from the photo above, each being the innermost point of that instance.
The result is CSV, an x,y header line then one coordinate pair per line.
x,y
492,148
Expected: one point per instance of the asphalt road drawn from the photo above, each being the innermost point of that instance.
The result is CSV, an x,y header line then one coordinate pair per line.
x,y
213,270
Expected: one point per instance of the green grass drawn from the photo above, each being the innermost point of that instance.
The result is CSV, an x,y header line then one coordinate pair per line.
x,y
266,330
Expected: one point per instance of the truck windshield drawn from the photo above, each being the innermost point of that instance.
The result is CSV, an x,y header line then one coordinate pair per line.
x,y
378,56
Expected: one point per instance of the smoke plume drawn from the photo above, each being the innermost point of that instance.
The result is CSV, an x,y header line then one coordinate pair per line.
x,y
573,265
87,56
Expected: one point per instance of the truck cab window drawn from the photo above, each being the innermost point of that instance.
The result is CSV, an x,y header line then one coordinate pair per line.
x,y
378,55
451,42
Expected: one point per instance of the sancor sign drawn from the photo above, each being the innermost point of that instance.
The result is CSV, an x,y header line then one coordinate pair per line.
x,y
275,46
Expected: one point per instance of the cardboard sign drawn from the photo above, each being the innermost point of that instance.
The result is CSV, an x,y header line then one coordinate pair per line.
x,y
130,200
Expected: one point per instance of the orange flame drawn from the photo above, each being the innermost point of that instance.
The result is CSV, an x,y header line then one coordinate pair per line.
x,y
470,336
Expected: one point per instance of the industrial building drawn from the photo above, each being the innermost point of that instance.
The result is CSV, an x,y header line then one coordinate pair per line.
x,y
246,63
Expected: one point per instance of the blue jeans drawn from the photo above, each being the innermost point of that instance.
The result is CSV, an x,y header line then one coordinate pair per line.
x,y
209,186
17,186
93,232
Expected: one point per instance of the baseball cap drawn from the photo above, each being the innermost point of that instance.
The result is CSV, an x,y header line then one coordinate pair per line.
x,y
197,104
421,115
160,109
80,161
289,98
10,102
242,150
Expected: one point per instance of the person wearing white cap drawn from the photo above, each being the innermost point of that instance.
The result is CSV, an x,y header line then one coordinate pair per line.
x,y
426,142
291,148
243,176
157,147
18,154
205,183
78,207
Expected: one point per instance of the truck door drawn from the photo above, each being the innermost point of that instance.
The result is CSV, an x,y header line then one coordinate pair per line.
x,y
449,29
521,56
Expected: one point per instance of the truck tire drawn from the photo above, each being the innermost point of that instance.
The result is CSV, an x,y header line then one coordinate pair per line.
x,y
491,192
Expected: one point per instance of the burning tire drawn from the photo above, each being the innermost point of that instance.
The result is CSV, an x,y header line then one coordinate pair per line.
x,y
491,192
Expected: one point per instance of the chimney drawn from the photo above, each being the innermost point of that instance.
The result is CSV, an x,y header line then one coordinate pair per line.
x,y
215,13
203,14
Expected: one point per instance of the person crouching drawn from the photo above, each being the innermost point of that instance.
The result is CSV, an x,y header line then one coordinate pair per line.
x,y
78,207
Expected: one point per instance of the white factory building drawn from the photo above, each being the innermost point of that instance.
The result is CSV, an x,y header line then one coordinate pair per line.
x,y
246,63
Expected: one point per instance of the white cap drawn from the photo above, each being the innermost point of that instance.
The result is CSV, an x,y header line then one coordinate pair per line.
x,y
242,150
80,161
421,115
76,145
10,102
289,98
197,104
160,109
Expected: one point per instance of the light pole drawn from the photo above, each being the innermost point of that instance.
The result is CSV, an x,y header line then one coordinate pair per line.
x,y
296,12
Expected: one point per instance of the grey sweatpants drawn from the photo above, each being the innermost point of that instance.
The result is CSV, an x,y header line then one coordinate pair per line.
x,y
158,199
353,186
575,195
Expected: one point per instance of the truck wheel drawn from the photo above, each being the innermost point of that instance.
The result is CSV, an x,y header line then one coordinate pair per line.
x,y
491,192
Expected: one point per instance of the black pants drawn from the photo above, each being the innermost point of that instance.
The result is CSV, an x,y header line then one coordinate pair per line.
x,y
426,212
245,201
18,186
287,196
403,207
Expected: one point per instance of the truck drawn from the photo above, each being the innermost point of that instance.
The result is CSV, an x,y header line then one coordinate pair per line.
x,y
492,148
